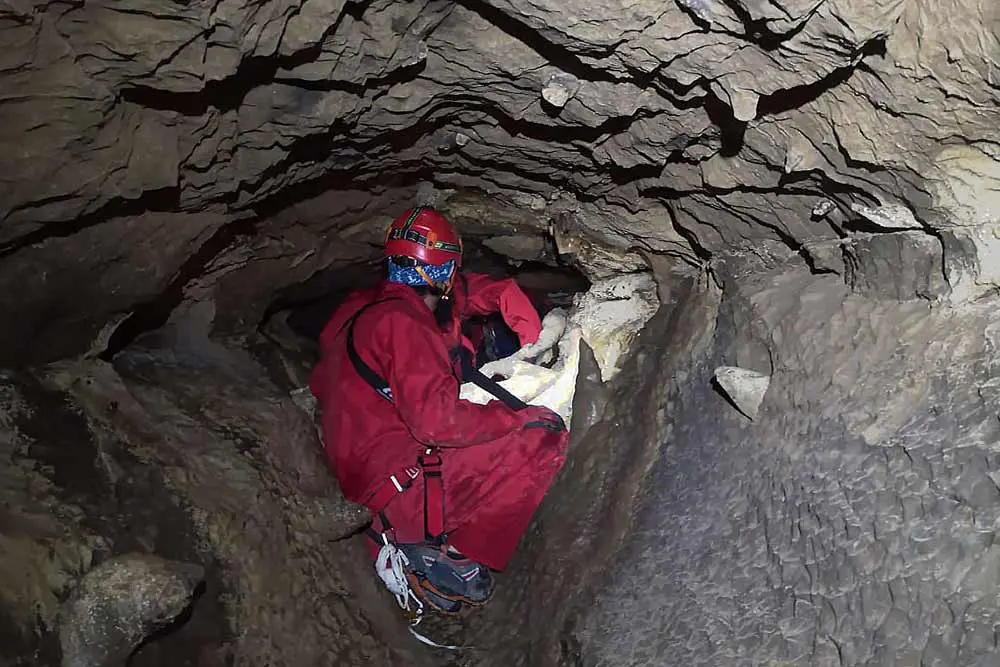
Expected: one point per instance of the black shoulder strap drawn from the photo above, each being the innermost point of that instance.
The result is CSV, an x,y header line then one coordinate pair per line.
x,y
472,374
469,371
376,381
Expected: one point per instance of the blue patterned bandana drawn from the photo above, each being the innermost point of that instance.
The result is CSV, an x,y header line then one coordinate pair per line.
x,y
408,275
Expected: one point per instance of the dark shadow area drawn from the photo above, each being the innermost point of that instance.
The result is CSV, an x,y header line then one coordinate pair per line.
x,y
758,30
130,505
798,96
193,638
731,131
722,392
295,320
150,201
154,313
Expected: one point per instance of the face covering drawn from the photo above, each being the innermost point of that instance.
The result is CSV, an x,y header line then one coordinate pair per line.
x,y
422,275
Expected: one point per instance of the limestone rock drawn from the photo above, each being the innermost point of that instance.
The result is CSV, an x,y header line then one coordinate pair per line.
x,y
610,315
121,602
597,260
900,265
522,248
167,160
559,89
745,387
526,375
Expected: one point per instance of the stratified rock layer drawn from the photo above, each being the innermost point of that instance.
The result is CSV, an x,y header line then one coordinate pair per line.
x,y
843,129
826,170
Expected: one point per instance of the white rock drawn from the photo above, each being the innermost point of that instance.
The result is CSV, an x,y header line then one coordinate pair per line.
x,y
746,388
536,385
822,208
559,89
888,216
608,316
611,313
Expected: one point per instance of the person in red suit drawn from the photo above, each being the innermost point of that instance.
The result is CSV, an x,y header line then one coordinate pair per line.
x,y
451,483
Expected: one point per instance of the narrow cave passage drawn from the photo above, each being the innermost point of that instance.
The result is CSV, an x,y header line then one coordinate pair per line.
x,y
550,283
791,204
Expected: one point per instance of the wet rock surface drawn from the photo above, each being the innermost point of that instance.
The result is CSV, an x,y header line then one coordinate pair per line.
x,y
195,457
121,602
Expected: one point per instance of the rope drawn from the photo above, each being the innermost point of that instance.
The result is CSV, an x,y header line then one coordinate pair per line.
x,y
429,642
390,567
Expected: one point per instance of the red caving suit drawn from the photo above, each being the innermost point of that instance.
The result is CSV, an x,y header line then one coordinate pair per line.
x,y
495,472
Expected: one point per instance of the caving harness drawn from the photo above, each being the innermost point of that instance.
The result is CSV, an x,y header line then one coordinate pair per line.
x,y
391,562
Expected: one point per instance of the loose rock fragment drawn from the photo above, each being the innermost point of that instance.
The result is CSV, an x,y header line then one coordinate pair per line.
x,y
822,208
746,388
559,89
453,140
890,216
121,602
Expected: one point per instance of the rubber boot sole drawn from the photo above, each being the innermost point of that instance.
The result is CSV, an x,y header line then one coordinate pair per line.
x,y
430,596
428,586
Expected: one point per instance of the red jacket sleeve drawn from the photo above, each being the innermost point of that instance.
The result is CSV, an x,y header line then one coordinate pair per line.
x,y
414,361
485,295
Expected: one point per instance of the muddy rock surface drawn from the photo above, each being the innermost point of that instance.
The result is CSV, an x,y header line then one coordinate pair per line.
x,y
119,603
156,459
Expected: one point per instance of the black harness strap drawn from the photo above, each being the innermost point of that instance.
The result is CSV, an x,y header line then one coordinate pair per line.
x,y
472,374
364,370
430,462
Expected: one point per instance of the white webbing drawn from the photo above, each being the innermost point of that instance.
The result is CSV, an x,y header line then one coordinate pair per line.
x,y
390,565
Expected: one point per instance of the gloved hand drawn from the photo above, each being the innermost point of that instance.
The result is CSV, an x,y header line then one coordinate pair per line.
x,y
553,327
539,416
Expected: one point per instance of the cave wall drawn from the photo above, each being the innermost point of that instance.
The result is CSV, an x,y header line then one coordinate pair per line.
x,y
851,522
684,128
831,166
195,455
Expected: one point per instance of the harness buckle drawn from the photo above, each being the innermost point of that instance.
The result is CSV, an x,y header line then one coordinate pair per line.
x,y
429,459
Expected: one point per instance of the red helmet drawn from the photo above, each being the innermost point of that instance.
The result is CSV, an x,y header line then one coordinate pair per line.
x,y
423,234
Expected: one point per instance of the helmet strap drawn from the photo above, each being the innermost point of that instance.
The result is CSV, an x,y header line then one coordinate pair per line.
x,y
444,287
